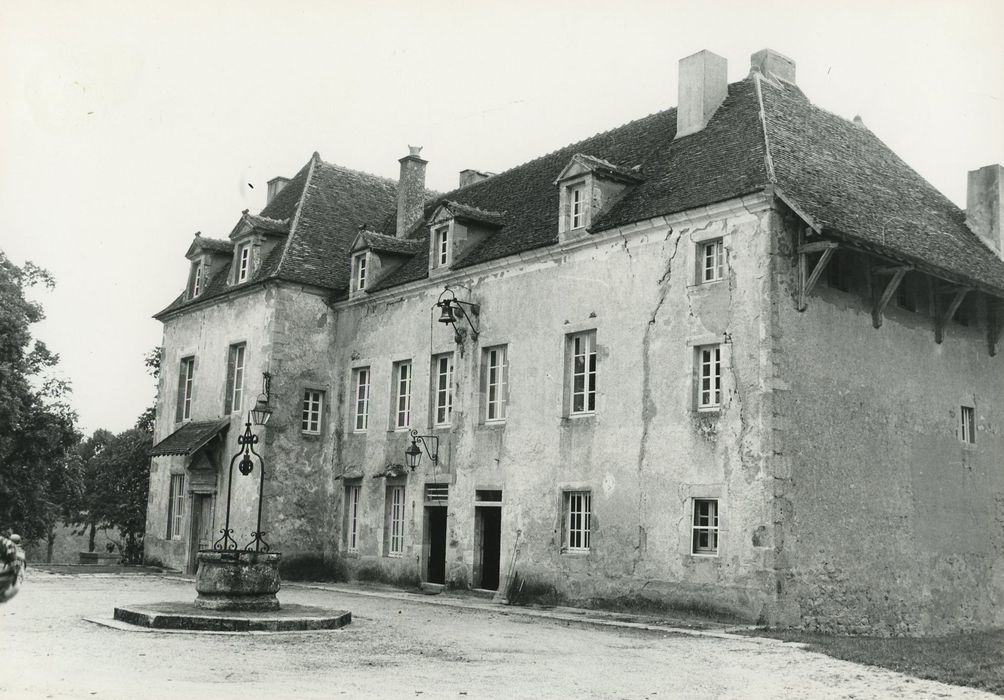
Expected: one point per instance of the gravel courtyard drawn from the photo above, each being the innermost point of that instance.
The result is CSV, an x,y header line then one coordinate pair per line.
x,y
398,646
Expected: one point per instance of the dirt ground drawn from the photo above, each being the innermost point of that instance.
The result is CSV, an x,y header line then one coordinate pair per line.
x,y
397,648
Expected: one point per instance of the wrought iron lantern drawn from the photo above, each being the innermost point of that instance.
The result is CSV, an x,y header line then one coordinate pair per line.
x,y
413,455
453,309
247,456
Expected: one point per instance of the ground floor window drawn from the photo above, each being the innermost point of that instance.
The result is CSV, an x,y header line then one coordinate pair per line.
x,y
395,521
705,526
175,506
352,518
578,515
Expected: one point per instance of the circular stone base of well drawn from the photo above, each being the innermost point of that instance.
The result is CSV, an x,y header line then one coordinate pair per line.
x,y
246,603
186,616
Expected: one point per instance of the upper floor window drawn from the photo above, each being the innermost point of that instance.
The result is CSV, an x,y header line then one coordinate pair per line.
x,y
582,373
361,392
712,261
442,399
576,206
494,382
709,377
402,395
196,287
186,382
441,252
313,406
235,378
359,272
243,262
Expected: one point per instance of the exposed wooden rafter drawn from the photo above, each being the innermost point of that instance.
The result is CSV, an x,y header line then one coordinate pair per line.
x,y
941,318
806,279
880,301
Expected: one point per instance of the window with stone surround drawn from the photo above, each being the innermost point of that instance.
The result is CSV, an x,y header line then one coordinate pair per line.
x,y
442,251
494,383
442,390
967,424
395,521
235,378
576,206
581,363
401,419
359,272
175,506
195,287
352,492
578,520
186,384
705,526
361,399
310,416
712,261
243,262
709,377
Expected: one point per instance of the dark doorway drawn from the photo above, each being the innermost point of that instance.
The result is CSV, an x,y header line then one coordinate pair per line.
x,y
202,528
435,540
488,530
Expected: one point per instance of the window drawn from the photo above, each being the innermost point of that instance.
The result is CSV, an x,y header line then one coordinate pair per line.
x,y
442,389
359,272
235,378
196,280
402,395
243,262
495,380
442,255
361,382
175,506
582,372
709,377
186,382
967,427
395,521
577,520
705,528
576,206
712,261
313,404
352,517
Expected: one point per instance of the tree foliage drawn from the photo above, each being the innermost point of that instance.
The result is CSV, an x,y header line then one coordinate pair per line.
x,y
36,424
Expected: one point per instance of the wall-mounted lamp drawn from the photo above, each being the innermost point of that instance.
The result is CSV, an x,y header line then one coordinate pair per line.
x,y
452,309
261,411
413,455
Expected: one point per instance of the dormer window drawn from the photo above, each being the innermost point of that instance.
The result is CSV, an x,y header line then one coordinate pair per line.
x,y
442,247
196,286
243,262
359,272
577,204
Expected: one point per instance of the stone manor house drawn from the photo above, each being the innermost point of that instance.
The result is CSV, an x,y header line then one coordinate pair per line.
x,y
733,356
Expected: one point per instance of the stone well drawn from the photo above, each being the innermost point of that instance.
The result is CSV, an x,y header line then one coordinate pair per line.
x,y
237,580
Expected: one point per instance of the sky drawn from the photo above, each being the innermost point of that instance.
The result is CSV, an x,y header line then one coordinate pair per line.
x,y
126,127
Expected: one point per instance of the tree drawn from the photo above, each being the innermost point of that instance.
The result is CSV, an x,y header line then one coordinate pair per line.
x,y
36,425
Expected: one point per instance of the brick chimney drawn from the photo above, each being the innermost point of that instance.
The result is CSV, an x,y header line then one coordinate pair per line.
x,y
704,84
410,191
983,205
772,64
275,186
469,177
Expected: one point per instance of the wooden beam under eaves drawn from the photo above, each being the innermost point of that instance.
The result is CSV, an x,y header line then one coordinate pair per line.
x,y
879,302
807,280
941,319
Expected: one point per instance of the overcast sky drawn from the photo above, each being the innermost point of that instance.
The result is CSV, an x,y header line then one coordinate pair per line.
x,y
126,127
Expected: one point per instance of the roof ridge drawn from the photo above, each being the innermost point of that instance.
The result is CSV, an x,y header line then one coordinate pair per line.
x,y
314,159
768,160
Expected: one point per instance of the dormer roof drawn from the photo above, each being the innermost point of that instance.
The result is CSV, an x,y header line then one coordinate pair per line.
x,y
263,224
582,163
380,243
203,244
465,212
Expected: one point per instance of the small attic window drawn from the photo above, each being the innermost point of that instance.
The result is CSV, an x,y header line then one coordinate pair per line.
x,y
196,285
442,251
243,262
576,206
359,272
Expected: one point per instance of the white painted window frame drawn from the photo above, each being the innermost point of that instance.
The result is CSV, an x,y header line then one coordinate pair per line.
x,y
239,352
712,260
707,524
196,279
359,268
578,521
352,492
582,347
243,262
402,395
709,377
442,390
313,408
443,250
577,206
361,399
395,518
496,383
176,506
967,424
188,368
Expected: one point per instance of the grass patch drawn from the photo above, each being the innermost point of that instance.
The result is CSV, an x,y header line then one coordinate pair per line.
x,y
974,659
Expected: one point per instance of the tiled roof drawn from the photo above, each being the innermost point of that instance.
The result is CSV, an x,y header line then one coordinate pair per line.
x,y
264,223
213,244
854,186
387,244
465,211
188,438
605,167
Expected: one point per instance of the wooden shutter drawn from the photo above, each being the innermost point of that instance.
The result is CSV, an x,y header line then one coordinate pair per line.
x,y
179,413
231,361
